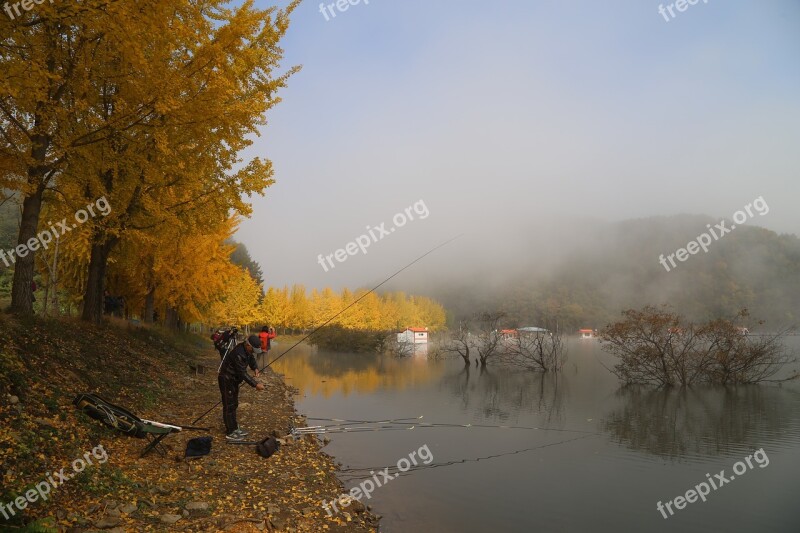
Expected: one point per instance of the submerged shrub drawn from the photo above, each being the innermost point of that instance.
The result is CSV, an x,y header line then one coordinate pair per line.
x,y
655,346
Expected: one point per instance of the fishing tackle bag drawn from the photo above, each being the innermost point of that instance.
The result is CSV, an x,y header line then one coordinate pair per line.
x,y
111,415
267,447
198,447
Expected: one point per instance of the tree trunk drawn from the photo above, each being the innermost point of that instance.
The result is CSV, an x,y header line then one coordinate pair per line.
x,y
171,320
93,297
149,306
21,294
54,279
46,295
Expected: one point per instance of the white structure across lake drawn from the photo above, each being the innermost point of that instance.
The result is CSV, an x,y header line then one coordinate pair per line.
x,y
414,336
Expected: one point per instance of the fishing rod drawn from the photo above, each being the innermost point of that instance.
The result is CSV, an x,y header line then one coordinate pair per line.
x,y
318,430
297,434
314,429
345,429
393,420
348,430
342,311
167,425
418,423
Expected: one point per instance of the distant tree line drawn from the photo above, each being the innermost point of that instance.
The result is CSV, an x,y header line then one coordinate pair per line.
x,y
612,267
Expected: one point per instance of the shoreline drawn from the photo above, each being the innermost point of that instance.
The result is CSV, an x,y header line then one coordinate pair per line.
x,y
154,374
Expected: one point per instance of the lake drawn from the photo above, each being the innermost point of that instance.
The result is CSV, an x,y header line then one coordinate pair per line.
x,y
601,460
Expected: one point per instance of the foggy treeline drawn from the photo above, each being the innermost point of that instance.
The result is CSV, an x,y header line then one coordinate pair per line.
x,y
584,274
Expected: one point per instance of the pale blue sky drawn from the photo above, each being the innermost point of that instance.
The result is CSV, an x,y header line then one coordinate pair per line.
x,y
514,114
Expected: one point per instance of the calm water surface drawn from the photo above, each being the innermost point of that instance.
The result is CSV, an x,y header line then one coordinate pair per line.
x,y
607,456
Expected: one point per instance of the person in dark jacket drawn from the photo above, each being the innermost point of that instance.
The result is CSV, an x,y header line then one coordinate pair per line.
x,y
232,372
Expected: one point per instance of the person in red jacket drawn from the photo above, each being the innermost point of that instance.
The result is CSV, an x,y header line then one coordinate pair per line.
x,y
266,336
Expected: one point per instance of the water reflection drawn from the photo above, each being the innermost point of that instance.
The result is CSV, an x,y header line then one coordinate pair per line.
x,y
327,373
701,422
495,394
501,395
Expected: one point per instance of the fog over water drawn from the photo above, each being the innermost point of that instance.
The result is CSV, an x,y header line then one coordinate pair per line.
x,y
520,120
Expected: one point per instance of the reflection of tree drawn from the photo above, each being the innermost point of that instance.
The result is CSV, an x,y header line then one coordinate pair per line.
x,y
326,373
500,393
335,364
710,421
459,385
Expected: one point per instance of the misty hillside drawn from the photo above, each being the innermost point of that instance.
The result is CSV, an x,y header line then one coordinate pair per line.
x,y
615,266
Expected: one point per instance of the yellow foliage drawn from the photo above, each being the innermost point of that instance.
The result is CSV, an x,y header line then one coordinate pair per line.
x,y
297,311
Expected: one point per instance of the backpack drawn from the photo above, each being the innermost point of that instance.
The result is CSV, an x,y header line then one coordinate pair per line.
x,y
221,339
216,337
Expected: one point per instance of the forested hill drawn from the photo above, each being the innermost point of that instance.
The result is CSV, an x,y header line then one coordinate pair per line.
x,y
611,267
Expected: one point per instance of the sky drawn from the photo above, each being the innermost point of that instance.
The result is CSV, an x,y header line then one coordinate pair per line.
x,y
507,119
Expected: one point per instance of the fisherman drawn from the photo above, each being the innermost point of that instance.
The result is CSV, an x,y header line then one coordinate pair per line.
x,y
266,336
232,372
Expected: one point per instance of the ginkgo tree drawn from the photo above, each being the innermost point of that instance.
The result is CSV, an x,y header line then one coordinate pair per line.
x,y
180,162
148,104
48,57
239,305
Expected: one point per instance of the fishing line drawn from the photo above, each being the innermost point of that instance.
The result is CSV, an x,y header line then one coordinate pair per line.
x,y
342,311
353,474
363,296
356,430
